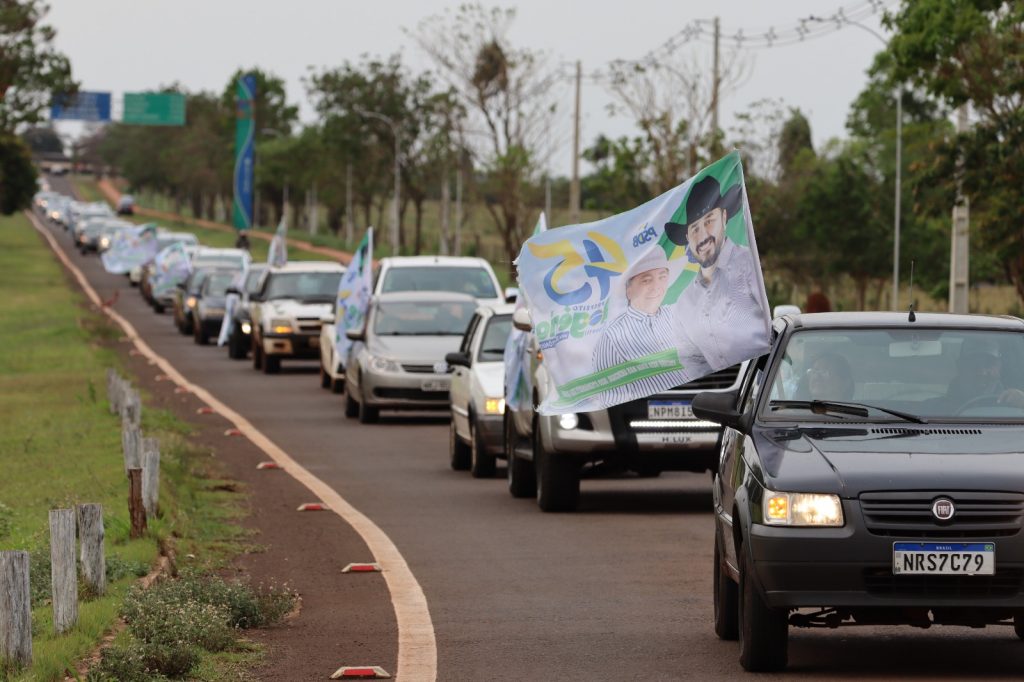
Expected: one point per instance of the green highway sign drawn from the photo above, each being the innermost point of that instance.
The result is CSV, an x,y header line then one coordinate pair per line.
x,y
154,108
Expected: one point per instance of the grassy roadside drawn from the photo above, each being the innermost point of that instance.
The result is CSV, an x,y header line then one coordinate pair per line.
x,y
59,446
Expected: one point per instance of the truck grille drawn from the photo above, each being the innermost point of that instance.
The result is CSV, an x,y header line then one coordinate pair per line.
x,y
880,581
723,378
978,514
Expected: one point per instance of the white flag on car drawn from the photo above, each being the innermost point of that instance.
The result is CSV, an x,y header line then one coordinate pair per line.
x,y
354,291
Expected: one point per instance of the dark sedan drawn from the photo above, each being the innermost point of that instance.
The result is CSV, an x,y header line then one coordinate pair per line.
x,y
871,472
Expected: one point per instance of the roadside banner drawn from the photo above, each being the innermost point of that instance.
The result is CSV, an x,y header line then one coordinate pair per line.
x,y
245,133
170,267
277,254
641,302
231,302
131,247
354,291
518,382
82,106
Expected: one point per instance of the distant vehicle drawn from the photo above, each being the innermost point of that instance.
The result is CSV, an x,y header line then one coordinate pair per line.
x,y
94,229
871,473
164,298
109,232
457,274
208,311
126,205
188,293
220,257
547,453
240,340
163,240
477,394
332,374
398,358
79,213
287,309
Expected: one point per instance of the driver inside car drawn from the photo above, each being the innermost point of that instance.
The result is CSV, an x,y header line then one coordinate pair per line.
x,y
979,377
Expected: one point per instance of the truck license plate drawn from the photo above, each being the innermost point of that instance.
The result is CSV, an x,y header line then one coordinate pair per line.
x,y
943,558
669,409
663,439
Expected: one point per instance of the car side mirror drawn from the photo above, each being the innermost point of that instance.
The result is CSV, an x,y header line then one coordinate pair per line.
x,y
457,359
356,334
234,290
720,408
521,320
511,294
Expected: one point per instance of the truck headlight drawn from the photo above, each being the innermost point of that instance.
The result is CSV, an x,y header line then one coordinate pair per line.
x,y
494,406
191,301
281,326
379,364
568,421
246,328
802,509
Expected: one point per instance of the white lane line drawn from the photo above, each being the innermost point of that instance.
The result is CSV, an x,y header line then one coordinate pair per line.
x,y
417,647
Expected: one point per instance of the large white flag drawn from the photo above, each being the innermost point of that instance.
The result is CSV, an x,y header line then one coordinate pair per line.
x,y
130,248
277,254
518,382
641,302
354,291
231,302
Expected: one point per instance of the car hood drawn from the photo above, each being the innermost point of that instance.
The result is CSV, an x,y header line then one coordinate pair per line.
x,y
286,307
419,350
847,461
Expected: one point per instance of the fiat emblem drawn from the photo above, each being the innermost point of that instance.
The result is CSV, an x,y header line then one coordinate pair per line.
x,y
943,509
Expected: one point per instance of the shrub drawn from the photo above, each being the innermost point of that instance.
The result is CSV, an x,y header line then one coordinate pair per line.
x,y
159,615
143,662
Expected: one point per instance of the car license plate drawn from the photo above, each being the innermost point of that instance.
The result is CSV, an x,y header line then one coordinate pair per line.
x,y
943,558
669,409
434,385
663,439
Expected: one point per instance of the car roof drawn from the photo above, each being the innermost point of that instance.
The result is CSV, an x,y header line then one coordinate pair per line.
x,y
216,251
900,319
309,266
414,296
497,309
451,261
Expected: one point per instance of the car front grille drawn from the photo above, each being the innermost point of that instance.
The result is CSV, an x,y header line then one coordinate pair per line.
x,y
880,581
909,514
421,369
723,378
410,394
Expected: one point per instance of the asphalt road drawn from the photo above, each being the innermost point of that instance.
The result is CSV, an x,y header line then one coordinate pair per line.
x,y
619,590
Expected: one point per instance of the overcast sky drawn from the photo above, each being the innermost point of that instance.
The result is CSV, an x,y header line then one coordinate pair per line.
x,y
133,45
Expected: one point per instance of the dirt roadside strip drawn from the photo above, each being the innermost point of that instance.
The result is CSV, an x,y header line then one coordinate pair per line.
x,y
112,195
417,649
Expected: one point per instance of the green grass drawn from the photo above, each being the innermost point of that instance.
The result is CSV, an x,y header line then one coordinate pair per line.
x,y
60,446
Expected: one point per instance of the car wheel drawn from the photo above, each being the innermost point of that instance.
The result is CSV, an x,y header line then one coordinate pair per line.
x,y
482,463
726,599
236,351
367,413
271,364
351,406
458,452
522,479
337,386
1018,626
763,631
198,335
257,355
158,308
325,378
558,479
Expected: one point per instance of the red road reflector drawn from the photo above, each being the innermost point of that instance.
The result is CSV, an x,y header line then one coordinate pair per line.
x,y
181,389
360,672
203,410
362,568
312,506
232,432
268,465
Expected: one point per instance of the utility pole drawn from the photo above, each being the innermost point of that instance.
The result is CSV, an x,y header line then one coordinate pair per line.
x,y
446,201
458,209
313,211
959,260
898,213
715,78
574,188
349,218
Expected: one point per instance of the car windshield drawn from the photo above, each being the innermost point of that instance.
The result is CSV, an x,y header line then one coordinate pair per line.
x,y
932,374
474,281
309,287
252,281
492,348
423,318
217,283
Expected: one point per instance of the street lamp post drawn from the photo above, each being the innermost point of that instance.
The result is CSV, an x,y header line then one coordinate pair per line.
x,y
397,133
899,169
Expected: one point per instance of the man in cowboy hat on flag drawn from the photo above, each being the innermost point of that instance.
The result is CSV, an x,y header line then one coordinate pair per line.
x,y
724,315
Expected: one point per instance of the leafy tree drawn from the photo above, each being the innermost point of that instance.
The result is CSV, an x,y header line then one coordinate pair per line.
x,y
271,109
617,183
31,69
17,175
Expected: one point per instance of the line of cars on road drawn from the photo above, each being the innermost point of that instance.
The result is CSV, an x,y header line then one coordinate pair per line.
x,y
867,470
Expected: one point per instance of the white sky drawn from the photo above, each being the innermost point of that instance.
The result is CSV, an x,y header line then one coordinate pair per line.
x,y
132,45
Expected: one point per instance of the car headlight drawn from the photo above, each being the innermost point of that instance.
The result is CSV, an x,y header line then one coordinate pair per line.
x,y
802,509
246,328
191,301
281,326
105,242
568,421
494,406
379,364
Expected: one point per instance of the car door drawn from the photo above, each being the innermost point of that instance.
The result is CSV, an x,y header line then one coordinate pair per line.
x,y
459,391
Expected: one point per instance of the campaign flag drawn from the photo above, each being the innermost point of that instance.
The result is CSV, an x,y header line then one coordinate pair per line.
x,y
231,302
131,247
170,267
354,291
277,255
641,302
245,134
518,382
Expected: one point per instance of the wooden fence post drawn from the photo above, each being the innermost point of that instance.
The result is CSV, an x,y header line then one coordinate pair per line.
x,y
15,609
131,445
131,408
136,510
63,569
113,382
150,475
90,533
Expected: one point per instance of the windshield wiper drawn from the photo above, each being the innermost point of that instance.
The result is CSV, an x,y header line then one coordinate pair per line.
x,y
856,409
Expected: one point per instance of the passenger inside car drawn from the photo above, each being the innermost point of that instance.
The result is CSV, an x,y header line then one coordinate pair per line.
x,y
828,378
978,380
